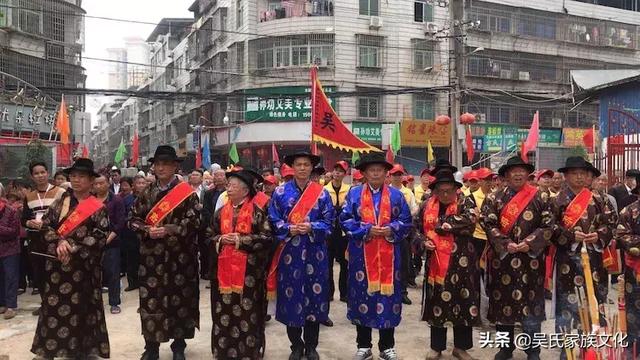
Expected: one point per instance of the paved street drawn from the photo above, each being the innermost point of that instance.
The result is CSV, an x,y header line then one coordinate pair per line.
x,y
337,343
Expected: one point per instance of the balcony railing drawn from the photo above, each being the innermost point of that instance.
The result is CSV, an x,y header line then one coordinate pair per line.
x,y
295,8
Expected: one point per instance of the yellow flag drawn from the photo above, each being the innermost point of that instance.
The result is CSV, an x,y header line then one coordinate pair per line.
x,y
430,156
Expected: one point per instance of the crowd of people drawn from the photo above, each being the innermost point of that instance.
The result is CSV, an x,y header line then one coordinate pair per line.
x,y
268,244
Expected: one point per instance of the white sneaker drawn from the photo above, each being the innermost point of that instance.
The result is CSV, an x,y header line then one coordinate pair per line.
x,y
363,354
389,354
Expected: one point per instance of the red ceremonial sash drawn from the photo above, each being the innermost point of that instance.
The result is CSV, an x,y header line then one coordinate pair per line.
x,y
439,262
82,212
511,212
168,203
298,214
261,199
378,252
232,262
576,209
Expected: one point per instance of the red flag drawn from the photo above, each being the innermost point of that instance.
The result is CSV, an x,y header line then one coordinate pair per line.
x,y
62,122
469,143
314,148
326,126
390,156
85,151
589,140
198,156
135,149
274,153
532,139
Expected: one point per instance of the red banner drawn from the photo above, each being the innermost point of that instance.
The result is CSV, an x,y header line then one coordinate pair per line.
x,y
165,206
326,126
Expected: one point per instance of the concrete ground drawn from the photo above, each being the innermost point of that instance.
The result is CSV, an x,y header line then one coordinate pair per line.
x,y
337,343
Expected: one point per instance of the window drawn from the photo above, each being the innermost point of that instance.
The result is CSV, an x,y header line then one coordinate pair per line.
x,y
370,50
422,54
369,7
239,14
537,26
265,58
492,20
29,21
422,12
283,55
289,51
369,107
423,107
482,66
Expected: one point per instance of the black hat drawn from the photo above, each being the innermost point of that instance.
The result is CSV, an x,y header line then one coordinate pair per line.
x,y
515,161
444,176
373,158
165,152
253,172
632,173
246,176
578,162
289,159
443,164
82,165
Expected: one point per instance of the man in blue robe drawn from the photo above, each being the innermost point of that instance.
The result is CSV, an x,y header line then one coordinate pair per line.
x,y
301,215
376,218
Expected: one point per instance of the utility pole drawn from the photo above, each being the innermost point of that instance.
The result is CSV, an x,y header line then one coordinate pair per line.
x,y
456,76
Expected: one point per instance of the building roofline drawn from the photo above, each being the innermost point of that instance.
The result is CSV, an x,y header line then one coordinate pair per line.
x,y
164,26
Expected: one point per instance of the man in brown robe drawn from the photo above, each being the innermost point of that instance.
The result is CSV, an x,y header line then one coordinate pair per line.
x,y
445,224
242,240
628,235
583,219
167,222
519,225
71,322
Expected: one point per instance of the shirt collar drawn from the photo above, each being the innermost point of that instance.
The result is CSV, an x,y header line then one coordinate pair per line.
x,y
374,191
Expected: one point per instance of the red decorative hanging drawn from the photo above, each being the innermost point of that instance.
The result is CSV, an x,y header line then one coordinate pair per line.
x,y
443,120
467,119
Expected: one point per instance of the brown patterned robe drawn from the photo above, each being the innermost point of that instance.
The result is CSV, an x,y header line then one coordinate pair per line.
x,y
599,217
169,292
516,281
457,302
628,235
71,321
238,319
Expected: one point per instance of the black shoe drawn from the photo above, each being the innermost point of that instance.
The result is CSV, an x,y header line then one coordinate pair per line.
x,y
503,354
406,300
21,291
150,355
35,292
535,356
412,283
36,312
328,323
312,354
267,318
344,299
179,355
131,288
296,354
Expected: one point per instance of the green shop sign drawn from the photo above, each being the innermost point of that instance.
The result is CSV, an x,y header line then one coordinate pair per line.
x,y
497,137
369,132
283,103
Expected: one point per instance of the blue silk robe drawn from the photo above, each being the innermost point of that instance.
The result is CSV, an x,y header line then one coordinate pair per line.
x,y
303,270
373,310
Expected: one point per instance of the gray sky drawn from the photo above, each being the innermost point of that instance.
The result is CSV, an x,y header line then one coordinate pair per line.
x,y
103,34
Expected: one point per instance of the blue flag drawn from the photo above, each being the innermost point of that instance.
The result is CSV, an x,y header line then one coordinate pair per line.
x,y
206,152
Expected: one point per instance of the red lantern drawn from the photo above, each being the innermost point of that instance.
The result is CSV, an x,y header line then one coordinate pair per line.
x,y
443,120
467,119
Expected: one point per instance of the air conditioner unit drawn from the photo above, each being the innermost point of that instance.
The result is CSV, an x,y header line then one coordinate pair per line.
x,y
556,123
524,76
322,62
481,117
375,22
430,28
505,74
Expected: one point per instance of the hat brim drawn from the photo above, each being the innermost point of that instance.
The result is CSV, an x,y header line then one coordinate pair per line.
x,y
592,169
364,165
504,168
289,159
88,171
164,157
442,181
451,168
246,180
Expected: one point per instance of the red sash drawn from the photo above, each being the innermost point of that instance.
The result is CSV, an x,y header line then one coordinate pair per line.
x,y
232,263
511,212
378,252
576,209
439,262
82,212
298,214
261,199
168,203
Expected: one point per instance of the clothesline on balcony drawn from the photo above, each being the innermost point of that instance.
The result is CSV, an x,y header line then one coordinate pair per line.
x,y
297,8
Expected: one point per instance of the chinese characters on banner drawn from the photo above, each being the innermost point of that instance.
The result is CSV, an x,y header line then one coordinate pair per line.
x,y
573,137
286,103
416,133
369,132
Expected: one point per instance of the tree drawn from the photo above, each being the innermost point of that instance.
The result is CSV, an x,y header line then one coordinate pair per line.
x,y
35,151
579,151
